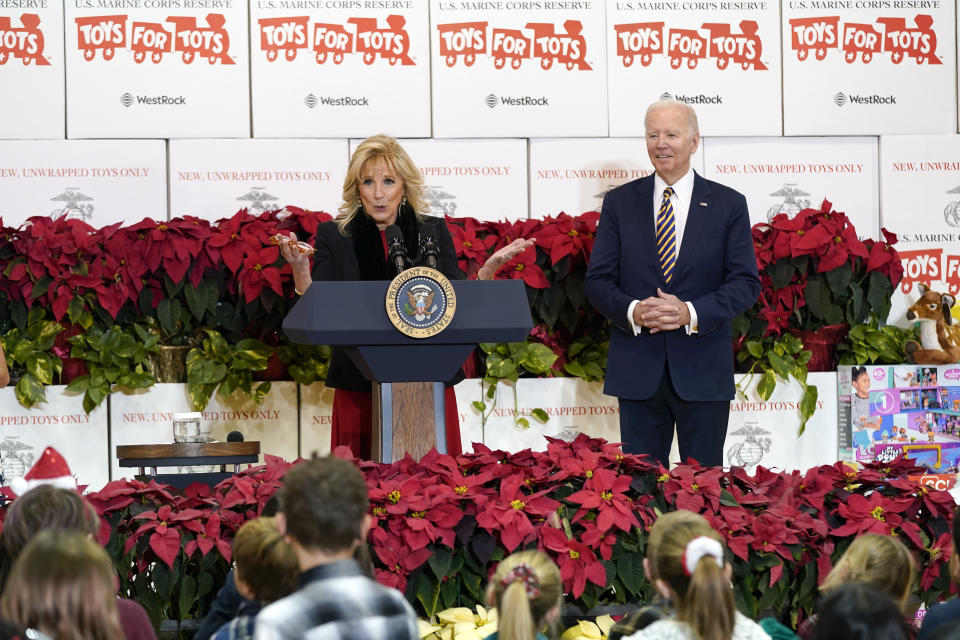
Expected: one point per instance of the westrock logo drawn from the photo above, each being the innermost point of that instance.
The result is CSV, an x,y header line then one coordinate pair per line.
x,y
841,99
517,101
106,34
24,43
855,40
715,41
128,99
540,41
697,99
335,41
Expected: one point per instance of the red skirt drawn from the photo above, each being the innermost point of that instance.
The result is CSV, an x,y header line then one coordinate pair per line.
x,y
353,417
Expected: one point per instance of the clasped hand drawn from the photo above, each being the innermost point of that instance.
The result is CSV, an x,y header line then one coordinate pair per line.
x,y
663,312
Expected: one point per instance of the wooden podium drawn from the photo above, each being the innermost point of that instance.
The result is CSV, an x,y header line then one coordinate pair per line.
x,y
408,372
148,457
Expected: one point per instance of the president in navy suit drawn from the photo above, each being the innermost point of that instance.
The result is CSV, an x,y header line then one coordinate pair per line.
x,y
672,264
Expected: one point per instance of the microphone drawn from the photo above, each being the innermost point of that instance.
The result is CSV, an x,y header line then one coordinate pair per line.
x,y
234,436
430,252
397,251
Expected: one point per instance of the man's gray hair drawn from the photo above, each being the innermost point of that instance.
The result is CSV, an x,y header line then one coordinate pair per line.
x,y
691,114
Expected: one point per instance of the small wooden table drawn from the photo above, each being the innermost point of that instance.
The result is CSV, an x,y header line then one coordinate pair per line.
x,y
151,456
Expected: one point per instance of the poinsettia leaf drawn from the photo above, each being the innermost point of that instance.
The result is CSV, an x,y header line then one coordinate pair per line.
x,y
783,272
440,562
166,545
839,279
818,297
188,594
630,571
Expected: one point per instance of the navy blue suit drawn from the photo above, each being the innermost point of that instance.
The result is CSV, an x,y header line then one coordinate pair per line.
x,y
716,271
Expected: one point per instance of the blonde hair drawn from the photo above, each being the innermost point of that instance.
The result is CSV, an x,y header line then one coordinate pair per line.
x,y
880,560
265,563
525,586
380,148
703,599
63,584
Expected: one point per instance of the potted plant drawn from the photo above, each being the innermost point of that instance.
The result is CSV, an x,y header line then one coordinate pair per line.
x,y
116,358
30,357
215,364
818,278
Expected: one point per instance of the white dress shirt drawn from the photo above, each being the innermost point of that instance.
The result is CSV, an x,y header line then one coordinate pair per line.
x,y
682,193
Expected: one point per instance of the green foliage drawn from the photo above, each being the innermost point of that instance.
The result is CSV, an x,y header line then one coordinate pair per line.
x,y
305,363
778,359
218,365
29,356
508,361
116,358
587,358
874,344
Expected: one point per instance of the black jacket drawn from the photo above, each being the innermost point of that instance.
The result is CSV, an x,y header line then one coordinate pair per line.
x,y
360,256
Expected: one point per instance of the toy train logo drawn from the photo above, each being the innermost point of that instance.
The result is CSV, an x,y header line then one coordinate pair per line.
x,y
536,41
106,34
360,36
641,41
818,35
24,42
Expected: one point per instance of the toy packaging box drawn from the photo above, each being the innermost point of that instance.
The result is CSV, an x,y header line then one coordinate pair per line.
x,y
888,410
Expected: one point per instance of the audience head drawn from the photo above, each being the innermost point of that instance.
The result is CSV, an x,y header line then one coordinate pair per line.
x,y
368,154
266,566
859,611
527,590
63,585
46,507
323,505
689,567
879,560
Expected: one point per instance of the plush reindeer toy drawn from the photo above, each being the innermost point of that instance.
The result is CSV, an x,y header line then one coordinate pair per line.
x,y
939,337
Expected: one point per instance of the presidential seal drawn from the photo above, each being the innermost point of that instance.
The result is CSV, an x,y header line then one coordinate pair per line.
x,y
421,302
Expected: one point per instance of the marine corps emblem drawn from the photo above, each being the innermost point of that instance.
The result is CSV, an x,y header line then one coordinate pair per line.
x,y
420,302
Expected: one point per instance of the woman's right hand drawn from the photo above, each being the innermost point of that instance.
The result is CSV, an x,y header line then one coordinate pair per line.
x,y
293,251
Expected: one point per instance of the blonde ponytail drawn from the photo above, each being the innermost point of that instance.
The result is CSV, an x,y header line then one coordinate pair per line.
x,y
689,557
524,588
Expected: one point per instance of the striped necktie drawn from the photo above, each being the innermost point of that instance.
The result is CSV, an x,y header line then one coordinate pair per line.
x,y
667,235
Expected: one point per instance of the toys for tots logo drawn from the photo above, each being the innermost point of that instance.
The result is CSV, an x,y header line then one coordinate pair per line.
x,y
24,42
818,35
358,36
106,34
464,41
930,266
714,40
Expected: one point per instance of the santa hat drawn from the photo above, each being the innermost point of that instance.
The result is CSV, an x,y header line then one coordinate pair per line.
x,y
50,469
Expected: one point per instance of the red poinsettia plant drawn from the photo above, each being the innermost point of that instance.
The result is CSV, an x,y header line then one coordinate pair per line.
x,y
816,272
553,271
442,524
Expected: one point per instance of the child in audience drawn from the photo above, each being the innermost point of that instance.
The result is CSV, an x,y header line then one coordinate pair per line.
x,y
878,560
527,590
62,584
691,571
859,611
50,508
265,570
